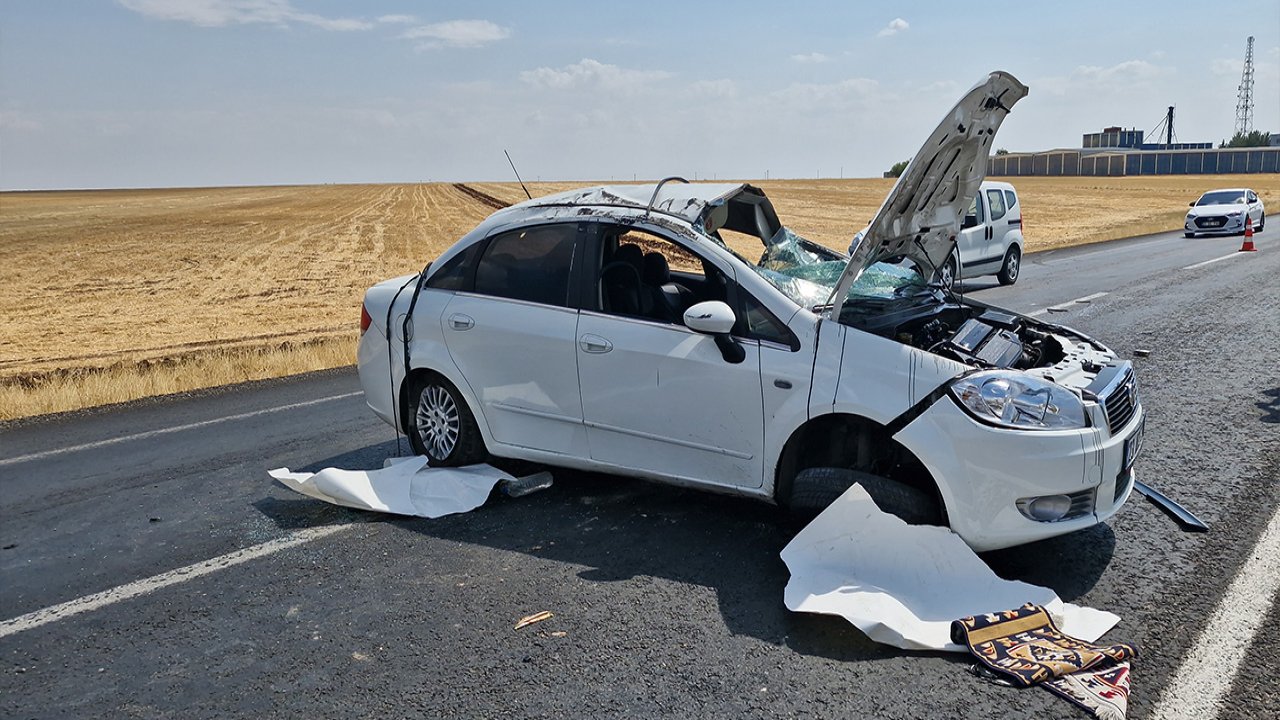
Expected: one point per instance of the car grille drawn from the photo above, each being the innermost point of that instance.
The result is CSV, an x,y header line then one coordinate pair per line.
x,y
1211,221
1122,403
1081,504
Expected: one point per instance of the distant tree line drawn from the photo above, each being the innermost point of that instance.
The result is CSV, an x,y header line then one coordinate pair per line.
x,y
1257,138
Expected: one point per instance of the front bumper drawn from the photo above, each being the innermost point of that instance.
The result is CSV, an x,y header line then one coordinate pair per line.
x,y
1213,224
982,471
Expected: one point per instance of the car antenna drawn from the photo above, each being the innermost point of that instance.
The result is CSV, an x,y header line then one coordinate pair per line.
x,y
517,172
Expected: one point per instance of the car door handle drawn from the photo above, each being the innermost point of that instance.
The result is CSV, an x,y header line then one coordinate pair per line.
x,y
459,321
594,344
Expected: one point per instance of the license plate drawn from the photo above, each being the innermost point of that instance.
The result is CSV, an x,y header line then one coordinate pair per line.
x,y
1213,223
1133,445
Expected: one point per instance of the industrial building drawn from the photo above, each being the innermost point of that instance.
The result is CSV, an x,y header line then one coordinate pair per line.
x,y
1116,152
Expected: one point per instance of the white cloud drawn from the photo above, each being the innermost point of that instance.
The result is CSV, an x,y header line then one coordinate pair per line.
x,y
1126,71
220,13
813,57
894,27
593,73
397,19
457,33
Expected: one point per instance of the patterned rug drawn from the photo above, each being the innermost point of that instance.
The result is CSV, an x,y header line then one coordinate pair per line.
x,y
1024,647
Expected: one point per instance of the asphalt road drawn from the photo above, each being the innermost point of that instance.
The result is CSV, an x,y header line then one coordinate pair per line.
x,y
666,602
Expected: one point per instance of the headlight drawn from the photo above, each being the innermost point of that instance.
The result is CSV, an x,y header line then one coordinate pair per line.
x,y
1017,400
1234,214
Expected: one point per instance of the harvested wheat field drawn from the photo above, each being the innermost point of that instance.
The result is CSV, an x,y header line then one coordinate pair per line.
x,y
119,294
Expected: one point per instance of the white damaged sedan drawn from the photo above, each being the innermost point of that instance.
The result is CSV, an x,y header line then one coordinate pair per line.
x,y
614,329
1225,211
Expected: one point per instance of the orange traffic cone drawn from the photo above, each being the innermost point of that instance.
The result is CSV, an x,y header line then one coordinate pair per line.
x,y
1247,246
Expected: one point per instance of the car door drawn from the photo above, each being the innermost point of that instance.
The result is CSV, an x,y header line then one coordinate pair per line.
x,y
513,338
997,228
1255,208
657,397
971,243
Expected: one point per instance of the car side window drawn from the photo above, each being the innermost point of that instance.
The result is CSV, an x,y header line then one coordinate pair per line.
x,y
1010,199
1252,197
531,264
975,209
760,324
644,275
995,199
455,274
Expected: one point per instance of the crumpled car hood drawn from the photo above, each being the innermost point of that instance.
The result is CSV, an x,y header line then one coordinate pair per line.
x,y
921,215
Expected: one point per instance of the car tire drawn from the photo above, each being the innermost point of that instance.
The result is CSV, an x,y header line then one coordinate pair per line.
x,y
1012,265
1188,234
441,426
947,273
816,488
1262,222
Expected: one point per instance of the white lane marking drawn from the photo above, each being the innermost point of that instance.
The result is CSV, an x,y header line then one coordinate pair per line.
x,y
1197,690
174,429
1217,259
1063,307
173,577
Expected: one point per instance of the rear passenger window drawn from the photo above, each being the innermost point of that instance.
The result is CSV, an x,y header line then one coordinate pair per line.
x,y
531,264
1010,199
995,199
455,274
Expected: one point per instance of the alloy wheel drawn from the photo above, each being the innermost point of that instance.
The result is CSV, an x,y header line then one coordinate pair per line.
x,y
437,422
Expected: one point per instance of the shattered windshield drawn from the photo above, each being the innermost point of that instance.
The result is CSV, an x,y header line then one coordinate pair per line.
x,y
808,277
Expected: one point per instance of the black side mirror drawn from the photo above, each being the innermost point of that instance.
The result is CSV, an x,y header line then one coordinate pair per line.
x,y
1191,204
969,221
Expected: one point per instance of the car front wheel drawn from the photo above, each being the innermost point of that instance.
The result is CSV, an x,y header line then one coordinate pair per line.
x,y
1262,222
1188,234
816,488
441,425
1012,266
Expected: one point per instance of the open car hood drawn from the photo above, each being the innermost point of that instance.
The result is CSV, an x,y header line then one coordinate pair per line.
x,y
921,215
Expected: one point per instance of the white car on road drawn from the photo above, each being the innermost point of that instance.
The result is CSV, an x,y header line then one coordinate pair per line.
x,y
611,329
990,240
1225,211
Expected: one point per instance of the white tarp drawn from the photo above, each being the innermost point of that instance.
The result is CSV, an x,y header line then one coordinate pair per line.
x,y
405,487
902,585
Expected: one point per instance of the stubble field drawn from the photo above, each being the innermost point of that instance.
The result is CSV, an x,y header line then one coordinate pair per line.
x,y
113,295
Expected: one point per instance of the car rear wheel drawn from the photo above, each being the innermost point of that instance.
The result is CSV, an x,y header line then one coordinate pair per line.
x,y
1012,266
1262,222
441,425
816,488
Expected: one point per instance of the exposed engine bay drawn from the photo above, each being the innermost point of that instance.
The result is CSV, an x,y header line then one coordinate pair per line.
x,y
974,335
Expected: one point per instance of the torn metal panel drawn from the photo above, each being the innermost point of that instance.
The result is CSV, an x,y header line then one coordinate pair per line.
x,y
903,584
405,487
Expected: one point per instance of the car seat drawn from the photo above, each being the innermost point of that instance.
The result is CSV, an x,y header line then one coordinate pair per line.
x,y
668,300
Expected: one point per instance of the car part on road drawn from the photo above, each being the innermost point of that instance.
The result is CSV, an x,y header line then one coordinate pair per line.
x,y
405,487
902,585
537,617
1183,516
527,485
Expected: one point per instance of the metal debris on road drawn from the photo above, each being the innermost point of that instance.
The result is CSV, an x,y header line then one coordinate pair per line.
x,y
534,618
1171,507
1141,353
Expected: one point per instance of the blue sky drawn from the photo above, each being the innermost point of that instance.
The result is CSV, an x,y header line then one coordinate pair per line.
x,y
151,93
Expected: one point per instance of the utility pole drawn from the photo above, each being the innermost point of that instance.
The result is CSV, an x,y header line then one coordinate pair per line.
x,y
1244,102
1169,133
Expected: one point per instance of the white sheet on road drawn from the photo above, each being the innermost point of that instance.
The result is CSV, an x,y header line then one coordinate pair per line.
x,y
405,487
902,585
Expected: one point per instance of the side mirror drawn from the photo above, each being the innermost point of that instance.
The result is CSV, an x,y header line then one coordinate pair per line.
x,y
1191,204
711,317
969,221
716,319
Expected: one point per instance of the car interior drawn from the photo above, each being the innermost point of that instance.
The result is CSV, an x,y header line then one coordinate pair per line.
x,y
637,279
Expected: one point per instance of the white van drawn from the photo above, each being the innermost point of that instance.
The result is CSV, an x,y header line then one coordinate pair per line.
x,y
990,239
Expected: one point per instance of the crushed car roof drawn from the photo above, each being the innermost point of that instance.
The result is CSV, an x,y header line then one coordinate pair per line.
x,y
687,201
